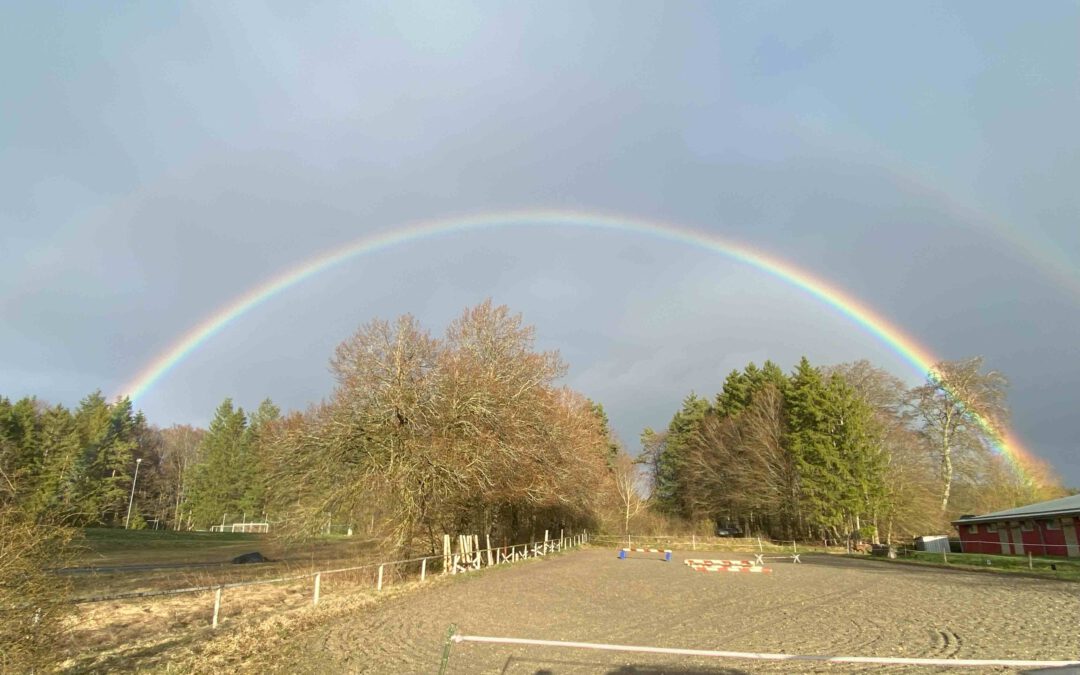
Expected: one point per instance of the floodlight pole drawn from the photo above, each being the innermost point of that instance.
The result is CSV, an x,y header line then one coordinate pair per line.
x,y
132,498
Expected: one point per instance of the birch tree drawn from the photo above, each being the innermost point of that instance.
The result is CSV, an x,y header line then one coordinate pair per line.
x,y
962,410
628,487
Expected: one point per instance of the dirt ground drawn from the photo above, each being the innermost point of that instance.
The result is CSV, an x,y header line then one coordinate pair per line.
x,y
825,606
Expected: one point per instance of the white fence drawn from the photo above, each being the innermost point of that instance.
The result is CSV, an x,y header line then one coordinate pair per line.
x,y
242,527
467,558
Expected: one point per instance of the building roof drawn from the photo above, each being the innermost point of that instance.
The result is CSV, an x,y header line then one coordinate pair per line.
x,y
1055,507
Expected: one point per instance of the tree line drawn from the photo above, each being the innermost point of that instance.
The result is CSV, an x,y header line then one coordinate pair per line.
x,y
841,451
78,467
422,435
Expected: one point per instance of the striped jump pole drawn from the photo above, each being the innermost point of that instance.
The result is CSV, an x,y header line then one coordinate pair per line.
x,y
716,563
730,568
624,551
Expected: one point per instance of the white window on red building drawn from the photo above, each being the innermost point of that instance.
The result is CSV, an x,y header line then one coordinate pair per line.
x,y
1053,524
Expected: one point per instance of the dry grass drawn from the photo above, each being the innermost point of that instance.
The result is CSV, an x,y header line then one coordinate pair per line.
x,y
173,634
32,601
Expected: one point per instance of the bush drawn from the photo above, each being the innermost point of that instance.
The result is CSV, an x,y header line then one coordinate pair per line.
x,y
32,599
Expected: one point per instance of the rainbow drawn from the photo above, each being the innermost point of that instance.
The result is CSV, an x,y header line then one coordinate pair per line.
x,y
920,358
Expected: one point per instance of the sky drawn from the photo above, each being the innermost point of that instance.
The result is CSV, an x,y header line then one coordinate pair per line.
x,y
159,160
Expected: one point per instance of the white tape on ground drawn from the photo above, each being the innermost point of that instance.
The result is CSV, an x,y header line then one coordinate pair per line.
x,y
766,657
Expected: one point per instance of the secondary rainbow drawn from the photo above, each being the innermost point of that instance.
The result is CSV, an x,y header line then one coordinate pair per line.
x,y
920,358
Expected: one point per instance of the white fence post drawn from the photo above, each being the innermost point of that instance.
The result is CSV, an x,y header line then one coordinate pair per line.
x,y
318,581
487,538
379,587
217,606
423,570
693,542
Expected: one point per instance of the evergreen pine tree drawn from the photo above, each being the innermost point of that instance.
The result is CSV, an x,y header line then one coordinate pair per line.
x,y
116,462
252,469
20,444
55,488
605,431
740,387
217,491
861,464
811,447
106,464
670,463
774,375
734,396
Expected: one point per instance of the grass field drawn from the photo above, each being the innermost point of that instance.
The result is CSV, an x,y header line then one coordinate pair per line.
x,y
112,546
102,547
1045,567
114,561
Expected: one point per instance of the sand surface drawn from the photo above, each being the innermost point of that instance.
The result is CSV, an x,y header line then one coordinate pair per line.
x,y
824,606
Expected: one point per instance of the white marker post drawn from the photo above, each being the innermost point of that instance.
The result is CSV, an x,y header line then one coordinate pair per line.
x,y
217,606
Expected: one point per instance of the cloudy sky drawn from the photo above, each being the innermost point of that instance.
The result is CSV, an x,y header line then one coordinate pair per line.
x,y
159,160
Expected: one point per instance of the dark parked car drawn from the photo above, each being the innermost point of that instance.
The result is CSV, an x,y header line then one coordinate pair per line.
x,y
726,531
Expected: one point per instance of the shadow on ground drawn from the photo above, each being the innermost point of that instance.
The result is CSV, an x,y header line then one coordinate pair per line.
x,y
516,664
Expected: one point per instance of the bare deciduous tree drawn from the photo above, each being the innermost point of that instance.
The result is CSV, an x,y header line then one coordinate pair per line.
x,y
742,470
179,453
468,432
962,410
629,488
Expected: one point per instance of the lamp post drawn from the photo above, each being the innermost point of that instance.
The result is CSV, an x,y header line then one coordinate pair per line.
x,y
132,498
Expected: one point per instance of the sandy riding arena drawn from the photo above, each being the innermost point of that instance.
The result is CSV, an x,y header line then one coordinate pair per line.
x,y
824,606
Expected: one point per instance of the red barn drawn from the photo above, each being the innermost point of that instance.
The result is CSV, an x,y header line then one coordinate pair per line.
x,y
1046,528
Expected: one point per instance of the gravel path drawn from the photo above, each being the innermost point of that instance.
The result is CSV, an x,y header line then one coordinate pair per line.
x,y
827,606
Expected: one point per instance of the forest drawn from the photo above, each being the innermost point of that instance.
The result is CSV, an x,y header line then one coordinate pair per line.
x,y
843,452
